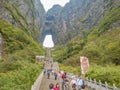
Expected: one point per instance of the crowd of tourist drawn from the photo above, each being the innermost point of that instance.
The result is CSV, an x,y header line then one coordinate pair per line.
x,y
77,83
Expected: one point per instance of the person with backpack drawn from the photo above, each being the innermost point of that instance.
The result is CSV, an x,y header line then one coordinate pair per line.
x,y
73,83
64,75
55,75
44,71
48,73
80,84
65,84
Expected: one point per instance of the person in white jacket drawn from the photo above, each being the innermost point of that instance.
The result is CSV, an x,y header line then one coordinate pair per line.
x,y
80,83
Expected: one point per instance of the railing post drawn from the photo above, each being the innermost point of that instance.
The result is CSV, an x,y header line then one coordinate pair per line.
x,y
114,87
106,85
90,82
100,85
87,80
95,86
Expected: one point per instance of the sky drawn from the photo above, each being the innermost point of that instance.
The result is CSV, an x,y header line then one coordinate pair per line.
x,y
49,3
48,41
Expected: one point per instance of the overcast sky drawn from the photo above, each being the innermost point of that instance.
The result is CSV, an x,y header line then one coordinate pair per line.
x,y
48,41
49,3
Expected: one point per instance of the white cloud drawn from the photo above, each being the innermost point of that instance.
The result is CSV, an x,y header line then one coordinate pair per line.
x,y
49,3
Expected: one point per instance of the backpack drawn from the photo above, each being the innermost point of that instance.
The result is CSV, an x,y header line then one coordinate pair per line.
x,y
63,76
83,86
44,71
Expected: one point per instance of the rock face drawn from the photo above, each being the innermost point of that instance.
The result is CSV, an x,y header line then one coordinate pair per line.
x,y
1,45
51,21
77,15
29,15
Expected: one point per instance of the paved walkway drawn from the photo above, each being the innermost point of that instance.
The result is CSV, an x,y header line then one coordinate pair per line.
x,y
45,82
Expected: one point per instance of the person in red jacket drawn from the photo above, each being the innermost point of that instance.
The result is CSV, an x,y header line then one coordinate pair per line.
x,y
64,75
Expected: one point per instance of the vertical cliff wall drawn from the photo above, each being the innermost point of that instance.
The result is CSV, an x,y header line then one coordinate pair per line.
x,y
28,15
79,15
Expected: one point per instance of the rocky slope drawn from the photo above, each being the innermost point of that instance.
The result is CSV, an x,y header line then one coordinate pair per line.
x,y
77,16
28,15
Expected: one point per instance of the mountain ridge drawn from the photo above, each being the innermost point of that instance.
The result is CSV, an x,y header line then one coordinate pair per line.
x,y
79,15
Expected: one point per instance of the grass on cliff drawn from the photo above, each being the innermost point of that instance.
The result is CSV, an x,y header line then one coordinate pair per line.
x,y
109,74
18,69
21,78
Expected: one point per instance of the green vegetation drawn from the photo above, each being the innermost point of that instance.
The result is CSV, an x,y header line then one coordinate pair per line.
x,y
109,74
70,69
20,79
18,69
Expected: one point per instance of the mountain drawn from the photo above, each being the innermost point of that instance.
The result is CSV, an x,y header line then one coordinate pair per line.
x,y
96,30
28,15
50,22
78,15
88,28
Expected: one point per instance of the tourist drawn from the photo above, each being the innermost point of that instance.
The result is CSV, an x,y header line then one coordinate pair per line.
x,y
51,86
44,71
73,83
80,83
57,87
65,84
48,73
55,75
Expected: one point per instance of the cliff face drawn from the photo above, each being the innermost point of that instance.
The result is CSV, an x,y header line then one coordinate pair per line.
x,y
51,21
28,15
79,15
